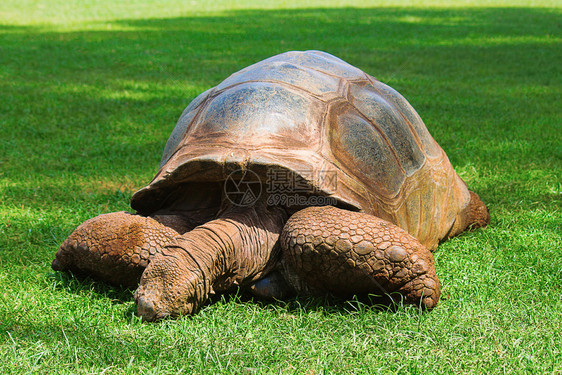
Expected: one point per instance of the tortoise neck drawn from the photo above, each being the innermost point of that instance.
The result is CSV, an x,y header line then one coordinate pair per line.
x,y
236,248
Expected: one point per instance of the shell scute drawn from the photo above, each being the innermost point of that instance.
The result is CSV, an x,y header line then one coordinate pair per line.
x,y
251,112
178,134
365,153
386,118
283,72
430,147
182,125
322,62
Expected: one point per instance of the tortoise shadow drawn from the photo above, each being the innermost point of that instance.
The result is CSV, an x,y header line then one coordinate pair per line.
x,y
86,286
326,304
80,284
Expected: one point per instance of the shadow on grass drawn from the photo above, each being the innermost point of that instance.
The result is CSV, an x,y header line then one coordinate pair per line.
x,y
84,285
81,284
326,304
104,101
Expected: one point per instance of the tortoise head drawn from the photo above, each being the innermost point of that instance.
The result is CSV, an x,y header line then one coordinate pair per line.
x,y
172,285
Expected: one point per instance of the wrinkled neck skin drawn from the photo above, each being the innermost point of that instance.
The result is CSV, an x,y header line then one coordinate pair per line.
x,y
237,248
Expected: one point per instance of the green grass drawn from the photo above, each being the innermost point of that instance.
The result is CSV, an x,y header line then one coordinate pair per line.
x,y
90,90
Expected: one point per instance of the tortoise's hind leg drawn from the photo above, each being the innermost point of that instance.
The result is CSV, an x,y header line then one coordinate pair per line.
x,y
474,215
114,247
349,253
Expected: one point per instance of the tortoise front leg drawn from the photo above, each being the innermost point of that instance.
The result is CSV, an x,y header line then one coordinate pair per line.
x,y
237,248
114,247
349,253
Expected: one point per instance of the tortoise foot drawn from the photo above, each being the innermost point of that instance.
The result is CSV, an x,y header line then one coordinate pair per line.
x,y
114,247
349,253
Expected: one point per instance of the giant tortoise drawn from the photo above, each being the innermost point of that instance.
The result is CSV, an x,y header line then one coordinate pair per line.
x,y
300,174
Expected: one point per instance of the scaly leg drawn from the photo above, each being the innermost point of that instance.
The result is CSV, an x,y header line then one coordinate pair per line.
x,y
114,247
349,253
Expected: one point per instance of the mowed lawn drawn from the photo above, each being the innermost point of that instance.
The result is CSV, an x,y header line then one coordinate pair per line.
x,y
90,91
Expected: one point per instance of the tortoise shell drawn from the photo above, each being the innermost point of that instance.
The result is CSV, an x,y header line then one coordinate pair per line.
x,y
313,115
